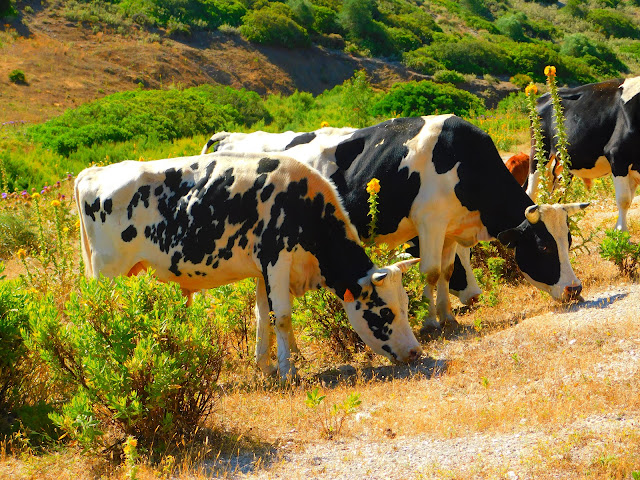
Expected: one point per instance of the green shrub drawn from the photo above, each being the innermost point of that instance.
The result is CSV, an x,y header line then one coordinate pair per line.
x,y
421,61
162,114
139,361
576,8
270,26
356,18
17,76
425,98
403,40
618,248
418,22
613,24
448,76
512,26
302,12
472,56
521,80
598,56
325,20
13,352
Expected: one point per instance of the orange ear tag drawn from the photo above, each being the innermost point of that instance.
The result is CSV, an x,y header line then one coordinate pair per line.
x,y
348,296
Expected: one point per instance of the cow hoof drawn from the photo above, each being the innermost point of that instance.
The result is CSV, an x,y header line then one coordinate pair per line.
x,y
450,324
430,332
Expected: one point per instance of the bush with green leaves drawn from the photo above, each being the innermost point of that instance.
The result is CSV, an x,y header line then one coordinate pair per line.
x,y
471,55
618,248
421,61
13,352
597,55
162,114
17,76
138,360
448,76
413,99
273,25
612,23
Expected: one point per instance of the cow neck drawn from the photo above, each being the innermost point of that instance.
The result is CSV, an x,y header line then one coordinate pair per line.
x,y
485,184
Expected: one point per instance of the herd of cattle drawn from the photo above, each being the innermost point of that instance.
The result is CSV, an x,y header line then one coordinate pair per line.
x,y
291,209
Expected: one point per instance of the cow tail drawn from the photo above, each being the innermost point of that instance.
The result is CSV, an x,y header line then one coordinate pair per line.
x,y
84,239
216,137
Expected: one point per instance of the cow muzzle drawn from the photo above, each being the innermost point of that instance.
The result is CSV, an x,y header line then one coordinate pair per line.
x,y
572,293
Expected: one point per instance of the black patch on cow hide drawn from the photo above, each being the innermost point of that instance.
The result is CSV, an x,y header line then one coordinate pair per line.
x,y
301,139
91,210
267,165
458,280
129,233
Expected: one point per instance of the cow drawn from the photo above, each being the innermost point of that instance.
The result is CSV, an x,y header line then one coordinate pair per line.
x,y
443,182
518,165
603,136
214,219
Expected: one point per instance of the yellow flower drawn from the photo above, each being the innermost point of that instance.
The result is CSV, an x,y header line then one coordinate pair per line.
x,y
55,203
373,186
65,230
531,89
550,71
35,195
22,253
324,124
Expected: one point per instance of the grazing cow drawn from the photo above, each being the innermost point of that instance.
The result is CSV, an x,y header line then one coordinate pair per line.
x,y
603,135
214,219
443,181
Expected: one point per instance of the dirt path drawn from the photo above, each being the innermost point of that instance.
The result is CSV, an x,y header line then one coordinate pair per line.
x,y
524,451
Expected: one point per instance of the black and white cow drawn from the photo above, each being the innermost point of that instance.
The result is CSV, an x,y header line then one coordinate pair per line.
x,y
602,121
443,181
214,219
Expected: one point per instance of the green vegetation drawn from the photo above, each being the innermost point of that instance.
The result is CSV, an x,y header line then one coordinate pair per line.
x,y
136,359
472,36
618,248
17,76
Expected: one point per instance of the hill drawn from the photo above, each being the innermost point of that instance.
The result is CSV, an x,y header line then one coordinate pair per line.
x,y
73,52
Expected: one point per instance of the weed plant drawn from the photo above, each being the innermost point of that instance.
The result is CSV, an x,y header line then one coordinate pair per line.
x,y
618,248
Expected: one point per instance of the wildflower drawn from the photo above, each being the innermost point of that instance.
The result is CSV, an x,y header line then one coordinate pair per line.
x,y
65,230
550,71
21,253
131,442
373,186
324,124
4,195
24,193
55,203
531,89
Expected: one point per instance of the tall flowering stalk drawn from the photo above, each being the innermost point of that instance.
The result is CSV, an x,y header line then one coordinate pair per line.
x,y
563,162
373,188
540,156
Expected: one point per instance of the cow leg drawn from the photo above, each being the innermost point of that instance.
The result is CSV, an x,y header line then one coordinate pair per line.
x,y
431,240
277,287
443,306
264,331
468,291
625,187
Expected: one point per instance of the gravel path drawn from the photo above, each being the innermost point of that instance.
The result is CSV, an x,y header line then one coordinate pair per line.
x,y
510,456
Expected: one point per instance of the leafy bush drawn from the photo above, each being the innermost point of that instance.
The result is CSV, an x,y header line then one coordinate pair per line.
x,y
597,55
403,40
613,24
618,248
512,26
164,115
12,349
325,20
448,76
425,98
472,56
271,26
17,76
139,361
521,80
421,61
356,18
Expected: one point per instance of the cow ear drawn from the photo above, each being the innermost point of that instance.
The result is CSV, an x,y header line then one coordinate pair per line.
x,y
378,278
572,208
348,296
406,264
509,238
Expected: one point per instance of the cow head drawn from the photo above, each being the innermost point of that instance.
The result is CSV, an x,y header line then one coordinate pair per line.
x,y
379,313
542,244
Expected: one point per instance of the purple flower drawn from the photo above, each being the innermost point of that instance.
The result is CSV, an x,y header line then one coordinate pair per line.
x,y
4,195
43,191
24,193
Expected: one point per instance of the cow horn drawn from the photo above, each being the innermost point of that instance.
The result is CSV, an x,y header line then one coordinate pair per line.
x,y
532,214
378,277
572,208
406,264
